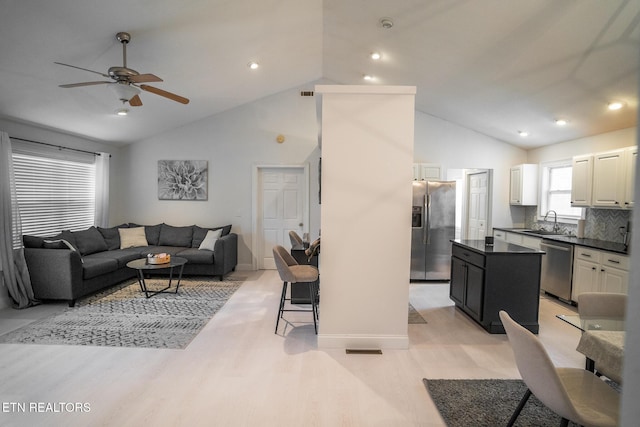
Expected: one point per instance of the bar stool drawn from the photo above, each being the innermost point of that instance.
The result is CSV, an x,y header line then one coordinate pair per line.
x,y
291,272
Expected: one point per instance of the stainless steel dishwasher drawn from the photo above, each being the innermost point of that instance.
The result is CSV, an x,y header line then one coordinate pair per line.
x,y
557,269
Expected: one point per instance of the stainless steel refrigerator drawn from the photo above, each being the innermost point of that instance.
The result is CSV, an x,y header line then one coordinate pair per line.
x,y
433,218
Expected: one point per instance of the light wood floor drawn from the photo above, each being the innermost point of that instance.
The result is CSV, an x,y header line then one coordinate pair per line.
x,y
237,372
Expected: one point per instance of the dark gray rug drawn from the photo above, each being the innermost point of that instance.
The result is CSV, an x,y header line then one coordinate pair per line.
x,y
415,316
122,317
480,403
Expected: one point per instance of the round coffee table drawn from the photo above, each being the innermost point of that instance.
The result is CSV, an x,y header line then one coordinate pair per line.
x,y
141,266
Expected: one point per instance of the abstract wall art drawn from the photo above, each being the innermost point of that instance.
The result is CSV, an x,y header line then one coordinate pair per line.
x,y
182,179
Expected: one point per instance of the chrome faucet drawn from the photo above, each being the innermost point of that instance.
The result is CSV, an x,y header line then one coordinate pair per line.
x,y
555,220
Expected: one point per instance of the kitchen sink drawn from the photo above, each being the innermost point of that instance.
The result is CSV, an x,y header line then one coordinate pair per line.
x,y
543,232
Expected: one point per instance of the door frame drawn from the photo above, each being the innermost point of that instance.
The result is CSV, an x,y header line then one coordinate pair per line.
x,y
256,197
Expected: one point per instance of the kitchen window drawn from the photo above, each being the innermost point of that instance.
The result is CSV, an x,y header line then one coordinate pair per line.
x,y
556,192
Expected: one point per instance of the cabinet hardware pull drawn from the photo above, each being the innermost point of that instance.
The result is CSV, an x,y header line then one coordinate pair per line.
x,y
587,255
602,269
593,268
614,261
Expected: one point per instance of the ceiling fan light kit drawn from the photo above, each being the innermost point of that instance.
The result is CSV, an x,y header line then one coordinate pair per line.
x,y
125,81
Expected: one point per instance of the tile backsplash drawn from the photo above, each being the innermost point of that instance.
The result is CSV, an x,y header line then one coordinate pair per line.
x,y
600,224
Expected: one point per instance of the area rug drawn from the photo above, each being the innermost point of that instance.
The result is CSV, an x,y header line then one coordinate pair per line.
x,y
414,316
480,403
122,317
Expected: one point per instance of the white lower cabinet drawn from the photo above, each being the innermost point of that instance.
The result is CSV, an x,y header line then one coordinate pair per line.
x,y
599,271
518,239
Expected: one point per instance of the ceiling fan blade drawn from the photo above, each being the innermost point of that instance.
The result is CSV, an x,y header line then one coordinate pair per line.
x,y
164,93
145,78
84,84
135,101
85,69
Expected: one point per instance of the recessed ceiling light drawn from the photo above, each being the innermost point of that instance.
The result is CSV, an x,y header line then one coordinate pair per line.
x,y
523,133
253,65
122,112
375,55
615,105
368,77
561,122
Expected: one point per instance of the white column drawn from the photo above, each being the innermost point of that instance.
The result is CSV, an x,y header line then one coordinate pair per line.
x,y
367,159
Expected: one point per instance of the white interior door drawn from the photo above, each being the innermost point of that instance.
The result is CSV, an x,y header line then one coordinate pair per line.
x,y
478,203
282,207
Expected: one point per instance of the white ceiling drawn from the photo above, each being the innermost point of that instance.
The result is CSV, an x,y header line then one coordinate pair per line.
x,y
493,66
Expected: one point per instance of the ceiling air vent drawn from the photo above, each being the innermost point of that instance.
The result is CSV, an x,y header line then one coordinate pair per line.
x,y
306,93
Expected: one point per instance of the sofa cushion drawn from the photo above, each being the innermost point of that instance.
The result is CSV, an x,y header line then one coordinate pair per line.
x,y
122,256
195,256
132,237
200,233
175,236
95,266
152,232
112,236
32,241
171,250
89,241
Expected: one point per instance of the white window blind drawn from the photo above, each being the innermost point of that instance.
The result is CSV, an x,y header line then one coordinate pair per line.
x,y
54,194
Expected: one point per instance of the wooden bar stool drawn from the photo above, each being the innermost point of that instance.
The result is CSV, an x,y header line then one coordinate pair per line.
x,y
291,272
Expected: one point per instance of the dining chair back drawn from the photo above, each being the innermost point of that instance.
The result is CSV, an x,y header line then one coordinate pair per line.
x,y
602,304
573,393
295,239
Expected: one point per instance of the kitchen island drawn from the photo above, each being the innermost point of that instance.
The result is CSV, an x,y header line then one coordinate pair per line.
x,y
488,278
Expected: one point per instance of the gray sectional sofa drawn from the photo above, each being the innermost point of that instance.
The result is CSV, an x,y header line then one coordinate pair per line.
x,y
75,264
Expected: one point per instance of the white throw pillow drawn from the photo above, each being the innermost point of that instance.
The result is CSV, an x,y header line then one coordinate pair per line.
x,y
209,241
132,237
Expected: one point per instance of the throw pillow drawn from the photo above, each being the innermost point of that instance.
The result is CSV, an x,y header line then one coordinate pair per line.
x,y
210,239
132,237
90,241
200,233
112,236
152,232
32,241
175,236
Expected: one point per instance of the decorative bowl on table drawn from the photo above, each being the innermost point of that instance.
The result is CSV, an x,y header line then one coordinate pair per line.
x,y
158,258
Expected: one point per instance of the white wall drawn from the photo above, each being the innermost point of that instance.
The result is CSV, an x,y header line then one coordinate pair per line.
x,y
593,144
456,147
366,237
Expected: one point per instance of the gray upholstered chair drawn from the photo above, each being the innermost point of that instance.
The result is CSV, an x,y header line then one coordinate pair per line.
x,y
605,305
295,238
291,272
574,394
602,304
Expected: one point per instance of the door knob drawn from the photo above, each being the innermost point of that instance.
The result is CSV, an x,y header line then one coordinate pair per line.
x,y
300,224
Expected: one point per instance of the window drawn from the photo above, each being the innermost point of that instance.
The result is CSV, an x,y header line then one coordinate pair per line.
x,y
55,190
556,191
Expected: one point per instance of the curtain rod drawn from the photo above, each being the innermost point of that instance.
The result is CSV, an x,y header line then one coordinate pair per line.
x,y
57,146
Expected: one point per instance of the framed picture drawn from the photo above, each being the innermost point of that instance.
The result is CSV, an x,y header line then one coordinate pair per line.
x,y
183,179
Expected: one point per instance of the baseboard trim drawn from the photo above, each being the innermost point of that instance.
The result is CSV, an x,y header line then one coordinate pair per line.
x,y
363,342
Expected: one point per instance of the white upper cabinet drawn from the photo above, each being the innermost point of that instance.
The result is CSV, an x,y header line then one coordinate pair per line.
x,y
609,179
604,180
581,179
426,171
523,190
630,176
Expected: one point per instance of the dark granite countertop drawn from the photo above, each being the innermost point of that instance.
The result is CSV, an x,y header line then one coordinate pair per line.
x,y
589,243
499,247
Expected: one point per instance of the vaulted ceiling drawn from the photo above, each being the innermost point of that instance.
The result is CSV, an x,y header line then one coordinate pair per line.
x,y
494,66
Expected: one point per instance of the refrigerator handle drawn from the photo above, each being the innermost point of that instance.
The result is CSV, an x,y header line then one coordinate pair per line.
x,y
426,237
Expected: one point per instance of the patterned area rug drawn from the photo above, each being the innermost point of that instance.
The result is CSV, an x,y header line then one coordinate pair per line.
x,y
122,317
465,403
415,316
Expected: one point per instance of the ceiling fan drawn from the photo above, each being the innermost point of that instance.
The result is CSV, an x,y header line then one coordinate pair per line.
x,y
125,81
